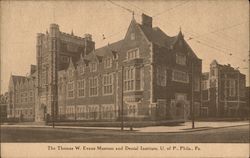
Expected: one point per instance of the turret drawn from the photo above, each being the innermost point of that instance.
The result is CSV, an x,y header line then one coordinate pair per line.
x,y
39,38
54,30
32,69
89,44
147,20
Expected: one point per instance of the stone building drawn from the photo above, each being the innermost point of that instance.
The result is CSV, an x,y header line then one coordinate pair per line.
x,y
151,75
3,106
22,97
223,91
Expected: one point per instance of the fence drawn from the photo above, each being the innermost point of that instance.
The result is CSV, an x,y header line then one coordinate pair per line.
x,y
129,114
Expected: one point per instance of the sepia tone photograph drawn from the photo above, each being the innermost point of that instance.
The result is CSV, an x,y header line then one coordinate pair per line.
x,y
119,75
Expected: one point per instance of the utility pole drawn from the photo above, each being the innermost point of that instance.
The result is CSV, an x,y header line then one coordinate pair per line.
x,y
192,94
54,84
238,92
225,86
122,119
75,94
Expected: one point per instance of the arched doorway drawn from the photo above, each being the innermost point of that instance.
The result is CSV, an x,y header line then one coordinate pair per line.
x,y
180,109
44,112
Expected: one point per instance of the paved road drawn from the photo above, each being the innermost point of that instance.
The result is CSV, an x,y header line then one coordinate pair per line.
x,y
239,134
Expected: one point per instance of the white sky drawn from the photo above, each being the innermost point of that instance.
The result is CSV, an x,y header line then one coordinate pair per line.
x,y
222,25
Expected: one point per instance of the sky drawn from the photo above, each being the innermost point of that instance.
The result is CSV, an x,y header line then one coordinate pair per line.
x,y
214,29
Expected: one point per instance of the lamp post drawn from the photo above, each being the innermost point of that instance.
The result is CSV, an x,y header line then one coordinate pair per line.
x,y
122,117
192,95
238,92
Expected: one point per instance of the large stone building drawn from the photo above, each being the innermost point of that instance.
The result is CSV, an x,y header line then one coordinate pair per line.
x,y
22,96
223,91
3,107
151,75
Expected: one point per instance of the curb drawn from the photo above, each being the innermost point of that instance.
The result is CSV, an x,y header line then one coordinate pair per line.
x,y
136,130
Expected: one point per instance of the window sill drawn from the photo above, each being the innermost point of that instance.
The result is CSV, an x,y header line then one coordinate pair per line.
x,y
132,91
180,81
108,94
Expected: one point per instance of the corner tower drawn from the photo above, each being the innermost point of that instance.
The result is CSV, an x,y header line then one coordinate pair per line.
x,y
47,52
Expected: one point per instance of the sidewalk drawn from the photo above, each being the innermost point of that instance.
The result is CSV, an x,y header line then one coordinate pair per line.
x,y
185,127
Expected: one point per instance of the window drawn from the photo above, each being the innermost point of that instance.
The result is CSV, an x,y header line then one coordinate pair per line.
x,y
81,86
180,76
93,67
242,89
54,45
196,83
161,76
139,77
232,89
204,85
115,55
213,83
31,96
70,73
129,77
17,97
132,36
71,89
107,111
93,86
204,111
212,72
107,84
44,77
31,112
181,59
64,59
133,54
107,63
180,96
80,112
24,97
132,110
81,70
60,110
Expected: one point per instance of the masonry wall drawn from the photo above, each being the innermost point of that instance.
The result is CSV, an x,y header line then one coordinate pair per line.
x,y
226,92
22,105
166,58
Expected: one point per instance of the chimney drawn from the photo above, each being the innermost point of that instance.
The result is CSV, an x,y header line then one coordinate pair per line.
x,y
54,30
146,20
89,44
87,36
32,69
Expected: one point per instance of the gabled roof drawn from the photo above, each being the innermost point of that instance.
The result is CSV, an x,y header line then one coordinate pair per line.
x,y
154,35
157,36
64,66
103,51
214,62
91,56
18,79
205,75
191,52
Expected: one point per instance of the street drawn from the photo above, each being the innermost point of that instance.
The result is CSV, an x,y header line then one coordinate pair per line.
x,y
238,134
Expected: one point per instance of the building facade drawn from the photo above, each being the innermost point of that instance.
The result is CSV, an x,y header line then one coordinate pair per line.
x,y
3,106
147,75
22,96
223,91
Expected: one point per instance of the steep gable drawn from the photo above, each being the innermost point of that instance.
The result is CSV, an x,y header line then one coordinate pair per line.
x,y
134,31
109,50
